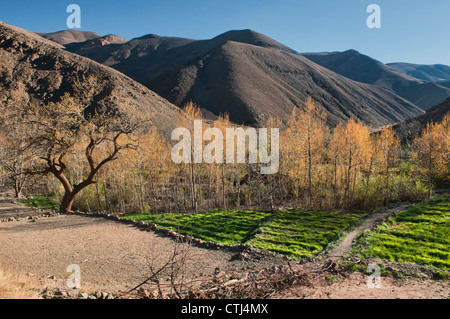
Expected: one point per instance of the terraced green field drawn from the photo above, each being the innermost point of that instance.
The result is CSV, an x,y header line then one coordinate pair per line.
x,y
303,233
419,235
293,233
222,226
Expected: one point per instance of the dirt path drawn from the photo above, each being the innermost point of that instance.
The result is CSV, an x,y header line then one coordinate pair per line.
x,y
9,207
346,245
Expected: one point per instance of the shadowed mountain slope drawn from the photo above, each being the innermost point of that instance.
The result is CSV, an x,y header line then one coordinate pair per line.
x,y
409,129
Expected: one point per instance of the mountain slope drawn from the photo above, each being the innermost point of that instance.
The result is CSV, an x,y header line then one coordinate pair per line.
x,y
431,73
35,70
249,76
409,129
362,68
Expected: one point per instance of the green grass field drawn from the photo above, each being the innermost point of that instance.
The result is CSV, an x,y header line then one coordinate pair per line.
x,y
222,226
419,235
293,233
303,233
41,201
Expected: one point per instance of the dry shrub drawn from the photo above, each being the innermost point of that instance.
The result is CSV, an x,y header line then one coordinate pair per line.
x,y
17,286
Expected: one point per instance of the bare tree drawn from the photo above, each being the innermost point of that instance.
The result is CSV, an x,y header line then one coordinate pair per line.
x,y
57,132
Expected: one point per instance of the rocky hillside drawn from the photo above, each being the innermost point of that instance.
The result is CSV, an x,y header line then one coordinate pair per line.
x,y
36,70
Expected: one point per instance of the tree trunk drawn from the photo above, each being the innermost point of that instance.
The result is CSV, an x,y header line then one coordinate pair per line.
x,y
347,188
368,176
193,194
430,166
223,188
18,188
335,182
387,184
309,177
66,203
100,206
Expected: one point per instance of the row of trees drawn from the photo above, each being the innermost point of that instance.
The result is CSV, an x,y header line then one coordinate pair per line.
x,y
106,159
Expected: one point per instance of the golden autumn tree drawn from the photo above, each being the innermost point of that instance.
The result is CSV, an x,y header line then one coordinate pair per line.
x,y
445,136
186,119
333,153
222,123
150,159
387,148
431,149
373,155
351,145
276,184
15,159
305,135
58,132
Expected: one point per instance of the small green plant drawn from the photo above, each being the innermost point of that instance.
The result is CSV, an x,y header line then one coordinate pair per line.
x,y
333,279
358,268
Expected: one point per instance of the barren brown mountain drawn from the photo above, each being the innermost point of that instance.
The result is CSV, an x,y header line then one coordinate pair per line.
x,y
249,76
36,70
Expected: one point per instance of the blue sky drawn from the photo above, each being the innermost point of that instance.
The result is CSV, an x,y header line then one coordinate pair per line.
x,y
411,31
